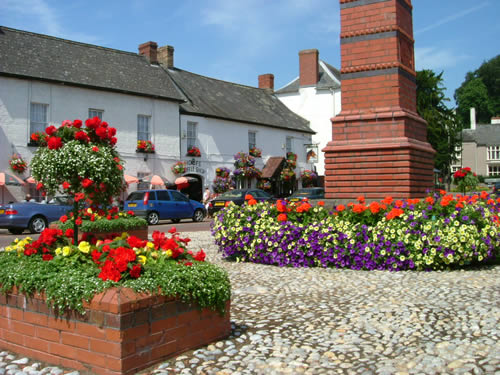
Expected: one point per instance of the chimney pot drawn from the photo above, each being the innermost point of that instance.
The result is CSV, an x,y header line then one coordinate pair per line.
x,y
266,81
473,118
166,56
308,67
149,49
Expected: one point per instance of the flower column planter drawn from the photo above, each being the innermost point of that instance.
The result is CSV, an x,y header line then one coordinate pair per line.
x,y
121,332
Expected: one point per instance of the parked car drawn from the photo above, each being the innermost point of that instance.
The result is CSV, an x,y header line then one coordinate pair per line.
x,y
156,205
309,193
16,217
238,198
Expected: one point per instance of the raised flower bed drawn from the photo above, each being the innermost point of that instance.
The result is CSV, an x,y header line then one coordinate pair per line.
x,y
114,307
439,232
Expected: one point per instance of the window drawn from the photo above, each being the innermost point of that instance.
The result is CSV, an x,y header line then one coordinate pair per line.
x,y
162,195
38,117
191,134
493,170
143,128
493,152
142,185
95,113
252,140
178,197
289,144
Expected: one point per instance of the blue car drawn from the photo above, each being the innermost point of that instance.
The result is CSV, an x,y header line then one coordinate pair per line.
x,y
16,217
156,205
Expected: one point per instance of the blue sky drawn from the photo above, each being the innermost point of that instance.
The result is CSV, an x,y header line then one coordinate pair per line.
x,y
236,40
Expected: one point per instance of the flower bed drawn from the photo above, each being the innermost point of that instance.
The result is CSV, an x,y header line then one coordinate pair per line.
x,y
53,279
438,232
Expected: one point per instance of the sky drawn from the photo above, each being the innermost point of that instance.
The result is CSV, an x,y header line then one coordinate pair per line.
x,y
237,40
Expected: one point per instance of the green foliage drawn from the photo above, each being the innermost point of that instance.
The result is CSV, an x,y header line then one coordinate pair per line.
x,y
481,90
67,282
443,130
104,225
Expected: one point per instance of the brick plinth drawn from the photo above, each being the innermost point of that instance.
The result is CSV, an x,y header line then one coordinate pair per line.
x,y
121,332
379,143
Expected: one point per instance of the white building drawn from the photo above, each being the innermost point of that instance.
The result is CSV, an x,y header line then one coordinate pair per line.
x,y
45,80
315,96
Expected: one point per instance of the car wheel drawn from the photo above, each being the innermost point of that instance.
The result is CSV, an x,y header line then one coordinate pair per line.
x,y
153,218
16,230
37,224
198,215
175,220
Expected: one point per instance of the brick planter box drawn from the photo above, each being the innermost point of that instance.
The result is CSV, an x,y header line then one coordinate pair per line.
x,y
122,332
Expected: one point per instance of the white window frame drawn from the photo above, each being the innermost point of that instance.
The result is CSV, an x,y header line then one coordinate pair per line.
x,y
252,139
493,153
494,170
143,131
191,134
96,112
38,117
289,144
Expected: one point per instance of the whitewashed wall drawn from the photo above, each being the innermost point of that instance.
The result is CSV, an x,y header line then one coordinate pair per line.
x,y
66,102
318,107
219,140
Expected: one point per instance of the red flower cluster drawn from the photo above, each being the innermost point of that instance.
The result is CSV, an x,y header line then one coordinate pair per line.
x,y
115,261
145,146
462,172
43,244
194,151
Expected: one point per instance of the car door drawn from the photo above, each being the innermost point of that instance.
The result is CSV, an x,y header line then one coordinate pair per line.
x,y
164,205
183,207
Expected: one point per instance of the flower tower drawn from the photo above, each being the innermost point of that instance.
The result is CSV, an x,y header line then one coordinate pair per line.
x,y
379,143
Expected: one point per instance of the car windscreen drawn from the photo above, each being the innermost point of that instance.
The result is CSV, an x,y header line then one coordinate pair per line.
x,y
136,196
232,194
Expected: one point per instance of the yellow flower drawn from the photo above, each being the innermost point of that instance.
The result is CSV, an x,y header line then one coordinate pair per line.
x,y
168,253
124,235
142,259
8,248
66,250
89,210
84,247
58,251
150,245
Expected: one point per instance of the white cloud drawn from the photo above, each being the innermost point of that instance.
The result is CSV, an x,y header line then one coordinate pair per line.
x,y
452,17
435,58
41,18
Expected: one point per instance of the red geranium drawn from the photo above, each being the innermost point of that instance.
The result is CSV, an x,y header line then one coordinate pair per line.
x,y
54,143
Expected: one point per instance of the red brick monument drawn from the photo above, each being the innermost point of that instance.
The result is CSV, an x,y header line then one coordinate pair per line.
x,y
379,145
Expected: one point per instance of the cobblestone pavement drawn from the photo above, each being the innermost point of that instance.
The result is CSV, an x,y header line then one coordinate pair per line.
x,y
329,321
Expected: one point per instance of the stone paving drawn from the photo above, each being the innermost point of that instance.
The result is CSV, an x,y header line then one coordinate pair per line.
x,y
329,321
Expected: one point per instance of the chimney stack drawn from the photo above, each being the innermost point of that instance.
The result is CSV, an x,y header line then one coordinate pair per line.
x,y
266,81
166,56
473,118
308,67
149,49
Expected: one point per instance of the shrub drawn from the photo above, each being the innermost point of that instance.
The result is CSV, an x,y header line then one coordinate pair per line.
x,y
435,233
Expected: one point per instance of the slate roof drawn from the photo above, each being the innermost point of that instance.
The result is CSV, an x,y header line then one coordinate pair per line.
x,y
483,135
326,71
35,56
231,101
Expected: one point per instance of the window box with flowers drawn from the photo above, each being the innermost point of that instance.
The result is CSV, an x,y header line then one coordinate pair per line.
x,y
194,152
17,164
255,152
179,167
146,147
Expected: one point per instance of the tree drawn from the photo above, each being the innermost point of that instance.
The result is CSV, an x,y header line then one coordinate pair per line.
x,y
444,128
481,90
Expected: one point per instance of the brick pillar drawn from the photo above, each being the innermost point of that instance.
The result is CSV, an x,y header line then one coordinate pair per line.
x,y
379,143
266,81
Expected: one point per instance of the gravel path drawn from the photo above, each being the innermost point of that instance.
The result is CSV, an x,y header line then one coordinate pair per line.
x,y
329,321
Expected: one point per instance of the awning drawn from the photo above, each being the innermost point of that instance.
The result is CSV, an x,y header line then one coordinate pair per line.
x,y
273,166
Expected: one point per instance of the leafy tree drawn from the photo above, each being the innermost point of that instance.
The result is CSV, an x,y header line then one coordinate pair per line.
x,y
481,90
444,128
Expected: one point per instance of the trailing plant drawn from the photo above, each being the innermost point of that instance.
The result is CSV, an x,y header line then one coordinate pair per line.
x,y
179,167
194,151
255,152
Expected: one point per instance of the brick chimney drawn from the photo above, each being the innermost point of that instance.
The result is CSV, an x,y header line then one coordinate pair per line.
x,y
308,67
266,81
149,49
166,56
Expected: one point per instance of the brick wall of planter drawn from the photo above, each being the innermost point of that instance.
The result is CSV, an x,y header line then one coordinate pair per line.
x,y
121,332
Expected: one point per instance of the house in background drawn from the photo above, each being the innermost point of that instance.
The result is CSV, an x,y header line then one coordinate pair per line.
x,y
481,148
315,96
45,80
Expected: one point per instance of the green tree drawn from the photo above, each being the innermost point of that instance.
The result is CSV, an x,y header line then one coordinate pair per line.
x,y
481,90
444,128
